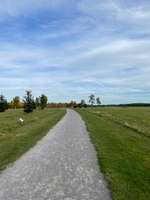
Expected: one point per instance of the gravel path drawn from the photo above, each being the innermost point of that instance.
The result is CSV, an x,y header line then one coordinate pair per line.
x,y
62,166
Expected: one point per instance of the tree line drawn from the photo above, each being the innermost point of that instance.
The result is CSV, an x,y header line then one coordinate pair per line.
x,y
28,103
92,101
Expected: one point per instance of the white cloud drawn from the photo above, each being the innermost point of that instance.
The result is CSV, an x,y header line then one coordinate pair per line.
x,y
116,10
80,55
25,63
23,7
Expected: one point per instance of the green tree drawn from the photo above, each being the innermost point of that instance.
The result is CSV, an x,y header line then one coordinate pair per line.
x,y
92,99
33,104
16,102
28,102
43,101
37,102
3,104
98,101
83,103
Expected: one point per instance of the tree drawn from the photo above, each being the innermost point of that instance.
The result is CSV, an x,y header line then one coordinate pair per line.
x,y
98,101
3,104
33,104
37,101
92,99
43,101
83,103
28,102
16,102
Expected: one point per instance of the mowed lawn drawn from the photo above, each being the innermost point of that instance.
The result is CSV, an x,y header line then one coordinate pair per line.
x,y
15,139
121,137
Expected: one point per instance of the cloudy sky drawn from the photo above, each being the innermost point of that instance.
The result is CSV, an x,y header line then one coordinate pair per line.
x,y
68,49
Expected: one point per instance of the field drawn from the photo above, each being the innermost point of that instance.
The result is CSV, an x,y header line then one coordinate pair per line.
x,y
122,139
15,139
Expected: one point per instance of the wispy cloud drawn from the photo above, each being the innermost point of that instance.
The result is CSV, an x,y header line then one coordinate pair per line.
x,y
17,7
69,49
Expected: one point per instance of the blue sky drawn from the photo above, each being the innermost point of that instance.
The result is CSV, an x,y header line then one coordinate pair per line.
x,y
68,49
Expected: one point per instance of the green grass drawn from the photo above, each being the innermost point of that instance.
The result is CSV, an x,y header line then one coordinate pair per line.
x,y
124,153
16,139
135,118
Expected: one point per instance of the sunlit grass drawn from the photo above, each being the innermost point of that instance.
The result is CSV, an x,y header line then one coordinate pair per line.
x,y
15,139
124,153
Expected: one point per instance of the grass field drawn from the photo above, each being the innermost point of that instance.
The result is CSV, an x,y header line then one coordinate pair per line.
x,y
15,139
137,119
121,137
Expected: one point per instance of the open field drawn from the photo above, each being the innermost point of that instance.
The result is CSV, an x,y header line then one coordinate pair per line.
x,y
121,137
15,139
135,118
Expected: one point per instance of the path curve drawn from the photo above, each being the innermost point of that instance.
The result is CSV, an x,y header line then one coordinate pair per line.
x,y
62,166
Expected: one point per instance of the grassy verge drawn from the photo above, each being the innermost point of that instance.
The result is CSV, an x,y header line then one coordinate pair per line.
x,y
135,118
124,156
16,139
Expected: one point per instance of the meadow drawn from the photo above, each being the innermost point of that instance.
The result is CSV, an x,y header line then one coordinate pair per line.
x,y
16,139
122,140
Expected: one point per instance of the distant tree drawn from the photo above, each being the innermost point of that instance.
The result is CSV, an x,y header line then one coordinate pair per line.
x,y
92,99
98,101
28,102
57,105
3,104
34,104
16,102
37,102
72,104
83,103
43,101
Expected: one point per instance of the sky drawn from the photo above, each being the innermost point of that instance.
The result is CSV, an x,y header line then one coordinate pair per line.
x,y
69,49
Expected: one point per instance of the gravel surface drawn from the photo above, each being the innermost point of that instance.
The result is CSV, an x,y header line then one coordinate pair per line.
x,y
62,166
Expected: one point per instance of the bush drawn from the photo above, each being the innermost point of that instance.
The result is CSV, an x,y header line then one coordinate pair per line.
x,y
3,104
